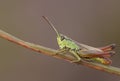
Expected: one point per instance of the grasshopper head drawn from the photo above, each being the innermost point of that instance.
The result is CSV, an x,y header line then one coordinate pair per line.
x,y
61,39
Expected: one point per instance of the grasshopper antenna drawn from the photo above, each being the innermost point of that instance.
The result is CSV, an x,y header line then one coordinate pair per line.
x,y
52,26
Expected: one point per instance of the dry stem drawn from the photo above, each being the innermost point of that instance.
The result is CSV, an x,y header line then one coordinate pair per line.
x,y
52,52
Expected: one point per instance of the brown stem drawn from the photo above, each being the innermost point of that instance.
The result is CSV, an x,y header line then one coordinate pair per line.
x,y
52,52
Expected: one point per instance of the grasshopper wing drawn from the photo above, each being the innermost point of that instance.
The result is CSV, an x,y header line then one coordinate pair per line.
x,y
108,47
90,52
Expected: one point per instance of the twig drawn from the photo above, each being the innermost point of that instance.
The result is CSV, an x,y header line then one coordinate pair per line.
x,y
52,52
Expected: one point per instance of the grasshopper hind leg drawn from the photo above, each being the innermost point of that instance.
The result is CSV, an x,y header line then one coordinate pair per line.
x,y
73,52
76,56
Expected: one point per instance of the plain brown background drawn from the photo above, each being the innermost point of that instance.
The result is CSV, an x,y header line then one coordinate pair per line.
x,y
93,22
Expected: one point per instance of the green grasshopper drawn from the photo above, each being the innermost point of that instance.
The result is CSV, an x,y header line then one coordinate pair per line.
x,y
82,51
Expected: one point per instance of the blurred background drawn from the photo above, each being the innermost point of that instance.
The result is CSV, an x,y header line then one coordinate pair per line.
x,y
92,22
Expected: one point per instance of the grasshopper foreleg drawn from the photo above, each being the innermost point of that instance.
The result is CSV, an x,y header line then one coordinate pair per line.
x,y
63,51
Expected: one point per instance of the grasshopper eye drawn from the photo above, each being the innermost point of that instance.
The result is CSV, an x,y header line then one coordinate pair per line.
x,y
62,38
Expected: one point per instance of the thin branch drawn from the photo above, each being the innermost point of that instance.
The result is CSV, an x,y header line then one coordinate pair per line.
x,y
52,52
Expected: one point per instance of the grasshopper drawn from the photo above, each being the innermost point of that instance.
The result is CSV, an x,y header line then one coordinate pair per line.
x,y
82,51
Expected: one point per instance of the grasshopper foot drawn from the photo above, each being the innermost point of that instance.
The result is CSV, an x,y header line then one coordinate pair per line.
x,y
78,60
